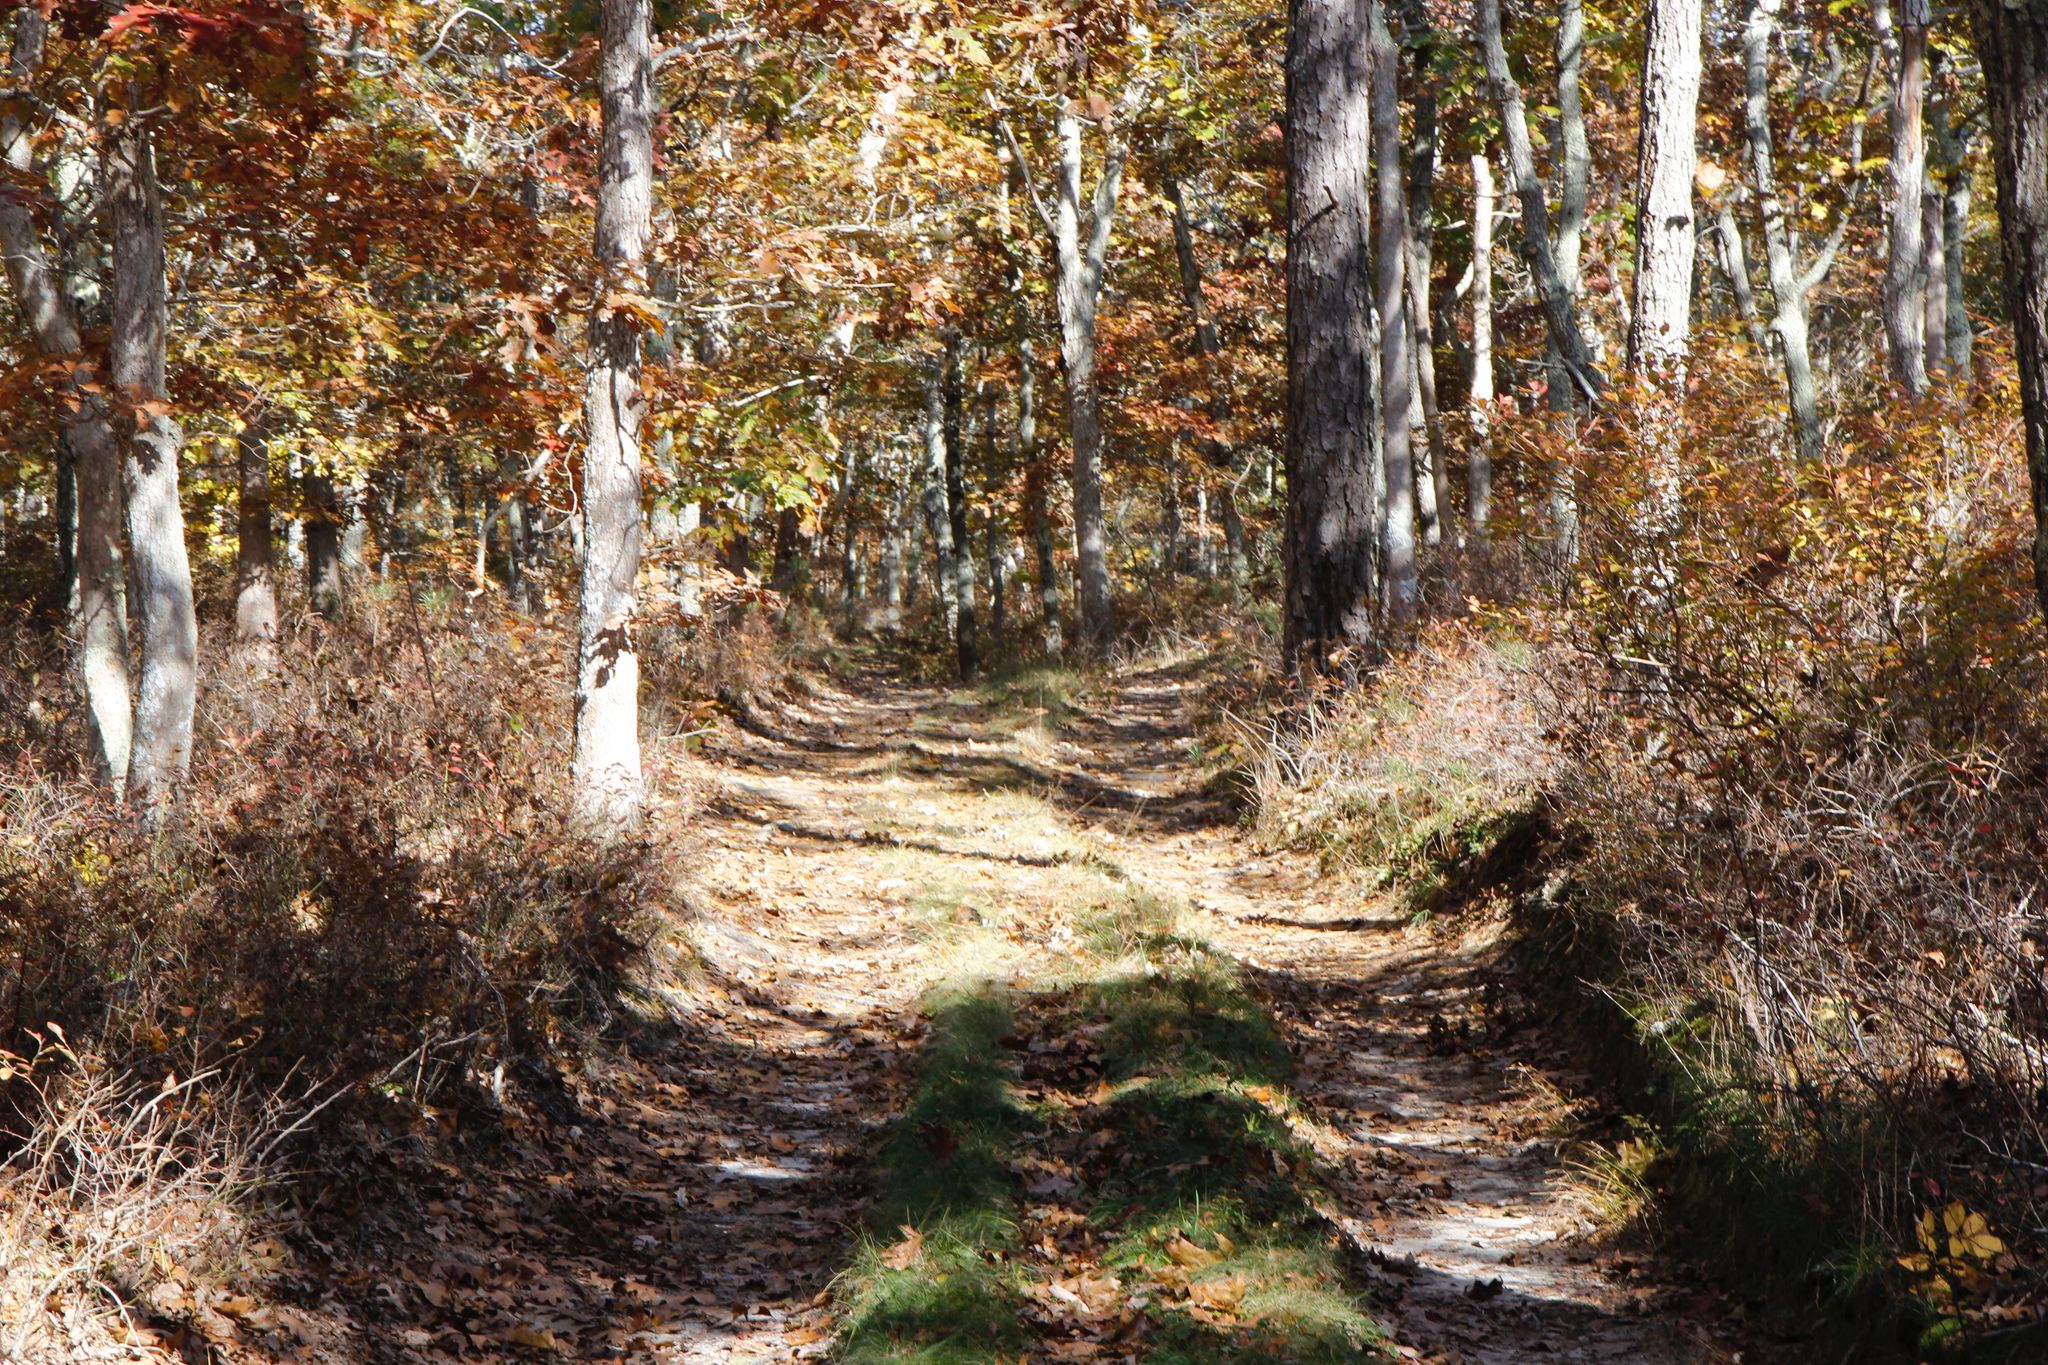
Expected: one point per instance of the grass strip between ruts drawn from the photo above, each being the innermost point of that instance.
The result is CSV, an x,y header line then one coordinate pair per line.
x,y
1102,1165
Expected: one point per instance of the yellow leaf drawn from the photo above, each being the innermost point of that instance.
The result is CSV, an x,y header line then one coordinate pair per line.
x,y
538,1339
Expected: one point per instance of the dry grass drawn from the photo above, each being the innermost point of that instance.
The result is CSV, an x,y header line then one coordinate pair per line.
x,y
1415,767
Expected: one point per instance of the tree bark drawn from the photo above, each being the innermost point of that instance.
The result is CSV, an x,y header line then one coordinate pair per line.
x,y
167,687
938,518
993,538
850,585
1206,341
1560,310
1218,454
1952,182
968,656
1574,184
1934,278
608,790
2012,47
1479,454
326,588
1035,477
1422,157
1660,315
1332,534
1403,588
1791,286
1906,51
893,565
1734,254
788,572
98,588
1081,269
255,570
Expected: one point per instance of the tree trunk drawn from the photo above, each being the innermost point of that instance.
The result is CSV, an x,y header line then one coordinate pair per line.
x,y
1479,455
993,537
1906,51
65,589
1035,477
1206,340
1332,535
1422,156
787,574
1396,437
1667,250
325,587
1560,309
1934,277
849,542
938,518
1661,311
1952,184
893,537
2012,46
1219,455
1790,286
255,572
956,510
1734,253
605,767
1081,271
167,687
1574,183
98,588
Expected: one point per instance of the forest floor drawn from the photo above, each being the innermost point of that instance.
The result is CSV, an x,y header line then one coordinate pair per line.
x,y
700,1196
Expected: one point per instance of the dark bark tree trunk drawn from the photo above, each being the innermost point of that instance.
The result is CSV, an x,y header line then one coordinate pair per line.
x,y
1207,343
851,588
1934,283
255,571
2012,46
787,574
167,687
1332,536
605,767
325,587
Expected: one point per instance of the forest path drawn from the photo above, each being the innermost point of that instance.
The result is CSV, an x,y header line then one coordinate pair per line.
x,y
689,1199
873,822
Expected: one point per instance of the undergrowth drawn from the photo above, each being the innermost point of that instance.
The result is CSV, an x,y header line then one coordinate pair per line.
x,y
367,915
1784,818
